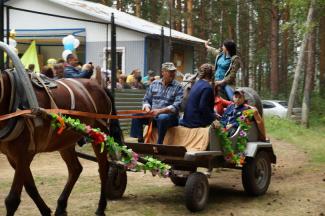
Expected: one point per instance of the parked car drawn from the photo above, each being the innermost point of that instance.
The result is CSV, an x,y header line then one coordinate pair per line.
x,y
278,108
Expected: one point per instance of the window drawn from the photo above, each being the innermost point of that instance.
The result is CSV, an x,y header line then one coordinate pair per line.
x,y
267,105
284,103
120,58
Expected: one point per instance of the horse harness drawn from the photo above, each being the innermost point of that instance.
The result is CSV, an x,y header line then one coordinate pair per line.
x,y
15,126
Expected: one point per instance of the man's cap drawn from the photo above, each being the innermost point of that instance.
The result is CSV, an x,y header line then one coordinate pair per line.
x,y
239,91
151,73
168,66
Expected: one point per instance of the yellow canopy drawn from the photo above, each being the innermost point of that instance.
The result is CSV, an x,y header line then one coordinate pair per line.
x,y
30,57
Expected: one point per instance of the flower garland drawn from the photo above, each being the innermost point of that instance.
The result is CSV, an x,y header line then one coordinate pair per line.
x,y
237,155
126,156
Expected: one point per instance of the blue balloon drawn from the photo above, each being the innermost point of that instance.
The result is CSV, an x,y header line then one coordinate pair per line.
x,y
69,46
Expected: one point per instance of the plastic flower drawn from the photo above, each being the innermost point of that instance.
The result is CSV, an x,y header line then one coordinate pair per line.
x,y
87,129
242,133
96,137
62,124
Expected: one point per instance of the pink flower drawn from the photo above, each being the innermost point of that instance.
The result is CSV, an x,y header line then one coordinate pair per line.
x,y
242,133
88,129
135,156
242,118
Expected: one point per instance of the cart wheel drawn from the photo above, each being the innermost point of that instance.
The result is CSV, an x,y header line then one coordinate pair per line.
x,y
256,174
116,183
178,181
196,191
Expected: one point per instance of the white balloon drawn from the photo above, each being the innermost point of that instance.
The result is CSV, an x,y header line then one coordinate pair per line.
x,y
68,39
65,54
76,43
12,43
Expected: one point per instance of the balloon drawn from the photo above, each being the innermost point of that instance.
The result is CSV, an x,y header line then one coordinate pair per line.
x,y
68,46
65,54
68,39
76,43
12,43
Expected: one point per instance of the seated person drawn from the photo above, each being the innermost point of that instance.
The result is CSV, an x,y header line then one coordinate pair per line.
x,y
233,111
199,108
220,104
162,99
150,76
71,69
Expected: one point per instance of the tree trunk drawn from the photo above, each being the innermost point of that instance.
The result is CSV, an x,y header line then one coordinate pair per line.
x,y
274,50
260,45
138,8
322,56
178,20
202,20
119,5
293,93
189,19
153,11
186,15
238,23
221,25
310,74
107,2
285,54
251,47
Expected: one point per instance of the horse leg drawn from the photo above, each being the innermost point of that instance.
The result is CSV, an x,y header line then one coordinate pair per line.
x,y
32,191
103,174
12,201
69,156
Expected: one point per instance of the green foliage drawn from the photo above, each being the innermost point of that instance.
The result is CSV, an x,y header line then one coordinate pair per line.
x,y
116,152
236,154
311,140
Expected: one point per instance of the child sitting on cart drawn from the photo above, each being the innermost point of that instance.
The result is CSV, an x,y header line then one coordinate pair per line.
x,y
233,111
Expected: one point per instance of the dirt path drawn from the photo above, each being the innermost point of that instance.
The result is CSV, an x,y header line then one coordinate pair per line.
x,y
297,188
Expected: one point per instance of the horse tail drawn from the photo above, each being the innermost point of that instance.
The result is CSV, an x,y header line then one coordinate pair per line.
x,y
114,127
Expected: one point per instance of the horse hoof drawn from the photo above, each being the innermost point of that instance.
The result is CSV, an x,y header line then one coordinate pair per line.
x,y
100,213
47,212
61,213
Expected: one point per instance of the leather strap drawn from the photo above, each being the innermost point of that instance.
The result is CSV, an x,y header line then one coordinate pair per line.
x,y
47,90
2,89
75,113
12,91
72,97
85,91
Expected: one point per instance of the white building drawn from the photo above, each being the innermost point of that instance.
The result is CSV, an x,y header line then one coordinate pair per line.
x,y
138,41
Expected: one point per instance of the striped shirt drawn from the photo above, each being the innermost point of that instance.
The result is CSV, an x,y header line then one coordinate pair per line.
x,y
159,96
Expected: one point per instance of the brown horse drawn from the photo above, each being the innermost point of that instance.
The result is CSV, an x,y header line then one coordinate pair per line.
x,y
35,135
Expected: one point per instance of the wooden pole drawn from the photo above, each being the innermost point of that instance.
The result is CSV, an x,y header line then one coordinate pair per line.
x,y
1,33
113,53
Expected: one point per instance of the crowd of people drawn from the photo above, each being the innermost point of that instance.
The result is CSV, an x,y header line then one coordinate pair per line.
x,y
204,106
73,68
164,94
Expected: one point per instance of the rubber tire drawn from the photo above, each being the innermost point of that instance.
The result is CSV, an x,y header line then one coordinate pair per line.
x,y
116,183
178,181
194,182
249,180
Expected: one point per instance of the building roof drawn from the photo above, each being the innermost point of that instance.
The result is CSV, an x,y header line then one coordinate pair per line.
x,y
123,19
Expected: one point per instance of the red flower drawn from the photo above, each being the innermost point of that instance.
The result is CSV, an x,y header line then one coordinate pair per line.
x,y
62,125
96,137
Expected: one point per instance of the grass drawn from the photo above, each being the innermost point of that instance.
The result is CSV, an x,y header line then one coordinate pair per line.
x,y
311,140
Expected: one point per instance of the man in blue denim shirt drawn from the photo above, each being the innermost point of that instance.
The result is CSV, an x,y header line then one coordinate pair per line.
x,y
162,99
71,70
